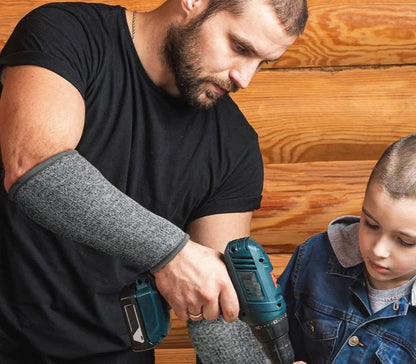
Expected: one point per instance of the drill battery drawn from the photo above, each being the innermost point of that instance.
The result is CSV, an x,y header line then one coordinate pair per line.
x,y
146,313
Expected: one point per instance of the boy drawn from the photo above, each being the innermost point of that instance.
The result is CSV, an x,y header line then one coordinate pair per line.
x,y
351,292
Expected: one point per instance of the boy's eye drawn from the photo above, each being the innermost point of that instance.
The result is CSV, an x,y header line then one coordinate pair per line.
x,y
371,226
406,243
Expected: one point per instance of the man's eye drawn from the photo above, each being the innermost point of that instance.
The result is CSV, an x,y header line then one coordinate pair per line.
x,y
239,48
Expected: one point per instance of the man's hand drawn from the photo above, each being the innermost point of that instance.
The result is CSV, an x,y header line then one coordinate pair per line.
x,y
196,281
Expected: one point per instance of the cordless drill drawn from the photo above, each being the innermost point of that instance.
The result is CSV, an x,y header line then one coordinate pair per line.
x,y
262,306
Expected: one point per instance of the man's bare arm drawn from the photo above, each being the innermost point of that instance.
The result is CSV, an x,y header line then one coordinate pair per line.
x,y
41,114
217,230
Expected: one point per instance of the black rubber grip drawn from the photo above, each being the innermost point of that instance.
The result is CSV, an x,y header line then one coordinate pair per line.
x,y
274,338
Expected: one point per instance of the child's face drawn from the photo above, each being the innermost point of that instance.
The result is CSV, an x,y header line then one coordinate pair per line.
x,y
388,238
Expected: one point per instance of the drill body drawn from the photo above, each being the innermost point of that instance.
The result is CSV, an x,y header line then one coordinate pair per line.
x,y
262,305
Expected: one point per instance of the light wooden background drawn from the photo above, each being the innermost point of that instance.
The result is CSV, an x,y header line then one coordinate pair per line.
x,y
324,113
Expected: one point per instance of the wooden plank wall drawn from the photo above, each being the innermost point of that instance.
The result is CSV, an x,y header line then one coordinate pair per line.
x,y
324,113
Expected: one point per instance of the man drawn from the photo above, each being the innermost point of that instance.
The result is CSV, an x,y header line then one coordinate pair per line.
x,y
123,153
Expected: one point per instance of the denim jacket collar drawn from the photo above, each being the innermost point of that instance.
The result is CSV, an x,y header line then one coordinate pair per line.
x,y
343,236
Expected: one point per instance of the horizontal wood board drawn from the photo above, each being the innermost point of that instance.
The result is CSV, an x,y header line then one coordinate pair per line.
x,y
338,33
316,115
300,199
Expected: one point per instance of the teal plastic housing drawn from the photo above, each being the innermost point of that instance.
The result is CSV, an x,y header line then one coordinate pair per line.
x,y
154,311
250,269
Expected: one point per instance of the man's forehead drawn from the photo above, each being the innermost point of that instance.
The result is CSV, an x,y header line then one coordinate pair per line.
x,y
259,28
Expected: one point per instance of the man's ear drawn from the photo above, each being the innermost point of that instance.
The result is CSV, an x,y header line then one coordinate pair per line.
x,y
193,7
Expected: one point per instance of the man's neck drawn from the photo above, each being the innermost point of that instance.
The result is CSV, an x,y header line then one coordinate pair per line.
x,y
150,34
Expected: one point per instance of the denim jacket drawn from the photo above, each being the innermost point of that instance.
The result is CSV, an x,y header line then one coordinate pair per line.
x,y
328,307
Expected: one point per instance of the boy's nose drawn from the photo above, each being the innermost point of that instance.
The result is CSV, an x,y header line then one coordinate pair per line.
x,y
381,248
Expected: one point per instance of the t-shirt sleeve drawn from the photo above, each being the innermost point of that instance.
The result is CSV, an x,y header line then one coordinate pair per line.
x,y
242,174
51,37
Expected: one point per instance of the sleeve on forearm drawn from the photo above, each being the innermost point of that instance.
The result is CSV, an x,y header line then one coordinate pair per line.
x,y
219,342
68,196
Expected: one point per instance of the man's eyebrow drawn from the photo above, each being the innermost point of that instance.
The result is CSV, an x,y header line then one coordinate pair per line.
x,y
247,45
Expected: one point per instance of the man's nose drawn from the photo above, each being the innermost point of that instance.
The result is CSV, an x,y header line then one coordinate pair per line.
x,y
243,73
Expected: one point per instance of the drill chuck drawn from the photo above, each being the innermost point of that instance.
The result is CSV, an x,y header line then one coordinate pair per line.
x,y
275,341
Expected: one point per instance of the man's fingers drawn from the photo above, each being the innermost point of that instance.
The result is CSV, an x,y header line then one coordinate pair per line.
x,y
195,314
211,310
198,290
229,303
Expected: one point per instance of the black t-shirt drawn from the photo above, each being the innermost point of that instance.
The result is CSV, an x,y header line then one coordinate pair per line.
x,y
179,162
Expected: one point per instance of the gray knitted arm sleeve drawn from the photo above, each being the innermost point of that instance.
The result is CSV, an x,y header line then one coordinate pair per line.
x,y
219,342
70,197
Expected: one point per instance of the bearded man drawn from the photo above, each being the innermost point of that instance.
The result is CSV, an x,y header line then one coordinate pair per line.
x,y
123,153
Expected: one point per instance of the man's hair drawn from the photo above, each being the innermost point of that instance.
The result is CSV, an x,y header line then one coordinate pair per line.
x,y
395,171
292,14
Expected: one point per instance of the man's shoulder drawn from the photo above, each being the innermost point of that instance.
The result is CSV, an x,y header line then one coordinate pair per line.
x,y
73,6
232,117
78,10
227,103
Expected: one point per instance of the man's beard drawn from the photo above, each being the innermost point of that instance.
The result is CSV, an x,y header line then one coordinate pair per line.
x,y
181,51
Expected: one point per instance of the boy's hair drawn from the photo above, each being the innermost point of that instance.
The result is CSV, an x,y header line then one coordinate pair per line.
x,y
292,14
395,171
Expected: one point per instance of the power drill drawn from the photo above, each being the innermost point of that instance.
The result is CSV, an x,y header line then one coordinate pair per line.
x,y
262,306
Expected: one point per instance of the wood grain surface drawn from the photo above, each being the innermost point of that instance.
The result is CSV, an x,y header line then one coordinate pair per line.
x,y
355,33
300,199
338,33
175,356
315,115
